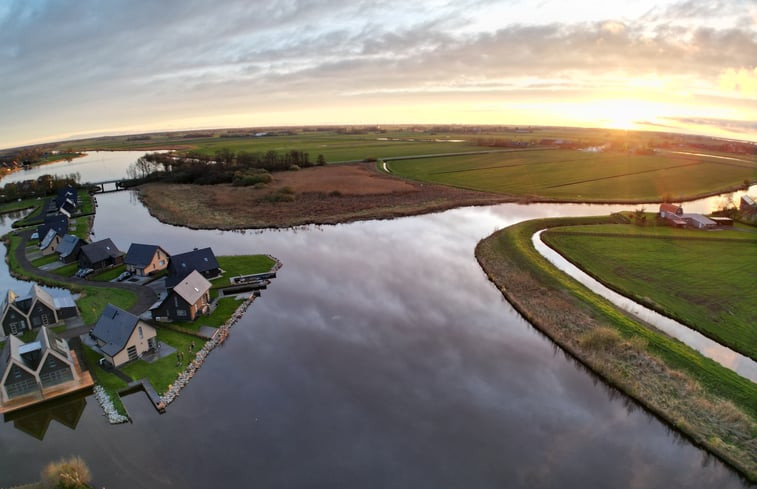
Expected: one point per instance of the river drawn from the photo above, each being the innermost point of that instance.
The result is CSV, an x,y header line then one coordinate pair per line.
x,y
380,357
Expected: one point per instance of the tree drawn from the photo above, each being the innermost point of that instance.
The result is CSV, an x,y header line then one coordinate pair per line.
x,y
639,218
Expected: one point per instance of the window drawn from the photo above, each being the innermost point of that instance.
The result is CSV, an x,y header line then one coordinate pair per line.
x,y
141,335
132,352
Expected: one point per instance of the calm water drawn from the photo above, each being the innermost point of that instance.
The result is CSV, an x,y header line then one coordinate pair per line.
x,y
380,357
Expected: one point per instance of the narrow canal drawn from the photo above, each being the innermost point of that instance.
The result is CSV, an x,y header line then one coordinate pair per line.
x,y
380,357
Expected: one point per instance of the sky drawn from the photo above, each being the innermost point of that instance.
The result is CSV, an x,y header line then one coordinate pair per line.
x,y
77,68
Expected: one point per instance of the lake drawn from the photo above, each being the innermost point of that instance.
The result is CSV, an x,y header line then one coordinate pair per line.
x,y
380,357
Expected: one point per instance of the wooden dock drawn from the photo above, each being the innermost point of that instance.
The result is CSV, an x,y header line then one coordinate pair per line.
x,y
85,381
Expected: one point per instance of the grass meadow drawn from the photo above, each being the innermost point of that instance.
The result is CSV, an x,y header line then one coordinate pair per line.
x,y
703,279
572,175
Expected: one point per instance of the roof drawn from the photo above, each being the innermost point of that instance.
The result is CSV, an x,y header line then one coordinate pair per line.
x,y
748,200
66,193
49,237
46,340
141,254
68,244
675,209
101,250
114,328
181,265
192,287
699,218
59,223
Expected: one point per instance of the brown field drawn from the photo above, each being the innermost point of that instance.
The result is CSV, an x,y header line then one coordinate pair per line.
x,y
321,195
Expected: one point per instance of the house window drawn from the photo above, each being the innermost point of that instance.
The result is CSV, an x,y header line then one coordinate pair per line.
x,y
181,312
132,352
141,335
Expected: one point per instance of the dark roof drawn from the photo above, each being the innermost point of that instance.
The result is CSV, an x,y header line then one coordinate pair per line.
x,y
179,266
59,223
141,254
100,250
68,244
67,192
114,328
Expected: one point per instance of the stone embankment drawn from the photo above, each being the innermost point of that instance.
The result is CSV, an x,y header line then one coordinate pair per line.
x,y
114,417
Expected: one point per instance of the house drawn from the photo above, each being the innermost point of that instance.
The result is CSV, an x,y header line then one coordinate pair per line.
x,y
142,259
670,211
50,242
187,300
69,248
202,260
67,198
100,254
123,337
36,309
699,221
58,223
747,206
32,368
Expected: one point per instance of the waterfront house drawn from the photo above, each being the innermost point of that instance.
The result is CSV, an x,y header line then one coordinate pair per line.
x,y
59,223
203,260
35,309
100,254
122,337
143,259
50,242
69,248
187,300
32,368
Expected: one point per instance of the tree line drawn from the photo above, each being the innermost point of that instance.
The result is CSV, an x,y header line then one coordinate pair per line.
x,y
40,187
225,166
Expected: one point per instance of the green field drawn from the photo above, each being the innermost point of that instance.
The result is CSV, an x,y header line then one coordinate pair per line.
x,y
572,175
707,280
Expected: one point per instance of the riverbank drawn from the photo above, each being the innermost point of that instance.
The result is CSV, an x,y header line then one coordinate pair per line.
x,y
322,195
715,408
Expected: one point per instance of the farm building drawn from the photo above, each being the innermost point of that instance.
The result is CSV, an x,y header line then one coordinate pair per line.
x,y
100,254
122,337
142,259
699,221
31,368
670,211
69,248
747,206
187,300
202,260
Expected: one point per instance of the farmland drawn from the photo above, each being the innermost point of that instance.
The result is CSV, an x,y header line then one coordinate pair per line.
x,y
702,279
570,175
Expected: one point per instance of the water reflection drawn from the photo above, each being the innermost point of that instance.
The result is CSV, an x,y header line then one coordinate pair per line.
x,y
381,356
35,421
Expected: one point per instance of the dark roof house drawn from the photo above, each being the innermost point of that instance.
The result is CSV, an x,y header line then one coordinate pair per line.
x,y
144,259
202,260
100,254
122,336
188,299
58,223
69,248
35,309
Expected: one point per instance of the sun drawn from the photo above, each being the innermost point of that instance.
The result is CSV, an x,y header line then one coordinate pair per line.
x,y
622,114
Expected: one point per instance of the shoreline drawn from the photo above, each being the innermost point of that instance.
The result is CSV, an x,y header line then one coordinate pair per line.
x,y
674,396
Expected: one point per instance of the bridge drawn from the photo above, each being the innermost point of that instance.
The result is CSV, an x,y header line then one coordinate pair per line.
x,y
103,187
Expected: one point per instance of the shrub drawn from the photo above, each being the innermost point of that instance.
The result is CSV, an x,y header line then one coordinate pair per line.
x,y
335,193
71,473
601,338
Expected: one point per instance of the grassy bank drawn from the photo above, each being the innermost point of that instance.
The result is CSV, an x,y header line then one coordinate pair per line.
x,y
712,405
110,382
702,279
572,175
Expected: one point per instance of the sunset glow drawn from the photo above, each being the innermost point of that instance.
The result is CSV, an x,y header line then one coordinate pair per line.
x,y
81,68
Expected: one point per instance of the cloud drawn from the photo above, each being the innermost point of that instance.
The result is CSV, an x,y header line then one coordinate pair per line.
x,y
743,81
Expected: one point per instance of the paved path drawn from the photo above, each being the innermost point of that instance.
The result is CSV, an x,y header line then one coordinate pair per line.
x,y
145,295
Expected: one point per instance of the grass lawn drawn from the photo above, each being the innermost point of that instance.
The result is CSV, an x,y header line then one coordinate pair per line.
x,y
225,307
107,380
164,372
93,301
44,260
692,276
576,175
110,274
67,270
31,334
241,265
19,205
